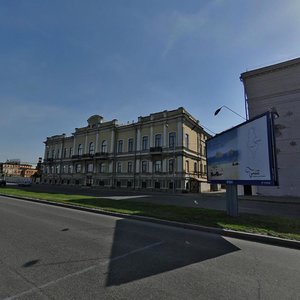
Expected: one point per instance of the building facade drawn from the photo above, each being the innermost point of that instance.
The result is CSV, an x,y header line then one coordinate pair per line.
x,y
163,151
277,88
14,168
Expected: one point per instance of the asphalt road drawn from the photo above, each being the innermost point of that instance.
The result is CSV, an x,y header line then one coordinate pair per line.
x,y
49,252
212,201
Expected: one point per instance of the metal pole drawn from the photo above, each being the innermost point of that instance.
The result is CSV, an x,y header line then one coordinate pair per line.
x,y
232,200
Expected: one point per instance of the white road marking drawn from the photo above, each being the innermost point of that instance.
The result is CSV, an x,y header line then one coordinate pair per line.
x,y
32,290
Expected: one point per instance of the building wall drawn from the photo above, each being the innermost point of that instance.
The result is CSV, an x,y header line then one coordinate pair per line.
x,y
138,167
277,88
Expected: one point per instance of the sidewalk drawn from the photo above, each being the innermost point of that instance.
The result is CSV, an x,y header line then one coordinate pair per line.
x,y
276,199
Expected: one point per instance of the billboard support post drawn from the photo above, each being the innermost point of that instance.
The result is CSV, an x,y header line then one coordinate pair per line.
x,y
232,200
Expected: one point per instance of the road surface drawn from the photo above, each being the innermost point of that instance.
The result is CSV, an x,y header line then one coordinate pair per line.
x,y
49,252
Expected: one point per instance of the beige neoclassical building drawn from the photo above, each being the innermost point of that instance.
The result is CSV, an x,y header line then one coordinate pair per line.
x,y
163,151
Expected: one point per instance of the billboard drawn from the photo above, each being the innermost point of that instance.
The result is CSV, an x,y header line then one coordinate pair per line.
x,y
243,154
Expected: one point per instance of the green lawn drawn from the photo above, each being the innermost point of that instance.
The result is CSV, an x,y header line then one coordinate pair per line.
x,y
267,225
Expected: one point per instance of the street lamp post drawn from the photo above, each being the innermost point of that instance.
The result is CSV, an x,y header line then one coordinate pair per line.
x,y
219,109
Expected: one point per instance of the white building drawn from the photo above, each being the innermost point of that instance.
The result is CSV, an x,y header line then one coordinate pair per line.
x,y
277,88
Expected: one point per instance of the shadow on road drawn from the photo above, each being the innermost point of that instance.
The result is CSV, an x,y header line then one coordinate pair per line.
x,y
135,256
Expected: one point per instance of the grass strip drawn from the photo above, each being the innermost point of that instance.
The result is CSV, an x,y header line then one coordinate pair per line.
x,y
267,225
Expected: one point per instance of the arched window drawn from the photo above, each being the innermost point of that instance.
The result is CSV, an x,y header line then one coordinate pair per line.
x,y
104,147
80,149
91,148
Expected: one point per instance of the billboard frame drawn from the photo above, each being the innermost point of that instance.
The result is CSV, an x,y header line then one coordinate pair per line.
x,y
273,181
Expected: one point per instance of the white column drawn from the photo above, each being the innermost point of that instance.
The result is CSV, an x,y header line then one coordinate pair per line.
x,y
112,141
138,141
74,145
61,150
97,141
151,136
179,133
165,137
137,167
164,165
179,164
85,144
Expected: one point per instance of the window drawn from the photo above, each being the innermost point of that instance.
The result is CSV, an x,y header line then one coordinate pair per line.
x,y
57,153
172,140
65,152
145,143
102,168
52,153
91,148
144,166
57,169
65,169
90,168
104,147
78,168
195,167
119,167
171,165
158,140
80,149
187,166
130,145
47,154
157,166
187,142
70,169
129,167
120,146
71,152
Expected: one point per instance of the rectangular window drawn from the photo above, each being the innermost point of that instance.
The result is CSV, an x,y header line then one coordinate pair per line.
x,y
144,166
158,140
171,165
102,168
78,168
195,167
71,152
119,167
187,166
130,145
120,146
90,168
187,140
157,166
172,140
145,143
129,167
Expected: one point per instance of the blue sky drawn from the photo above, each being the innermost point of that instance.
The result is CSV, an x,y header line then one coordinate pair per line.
x,y
62,61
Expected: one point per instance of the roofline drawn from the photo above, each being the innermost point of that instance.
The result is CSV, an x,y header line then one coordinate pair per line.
x,y
270,68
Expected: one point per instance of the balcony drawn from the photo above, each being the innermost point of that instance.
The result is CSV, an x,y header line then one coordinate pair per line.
x,y
155,150
101,155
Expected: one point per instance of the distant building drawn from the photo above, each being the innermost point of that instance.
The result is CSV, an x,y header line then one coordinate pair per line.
x,y
16,168
163,151
277,88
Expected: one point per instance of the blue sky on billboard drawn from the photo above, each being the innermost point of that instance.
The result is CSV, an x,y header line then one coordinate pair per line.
x,y
243,154
65,60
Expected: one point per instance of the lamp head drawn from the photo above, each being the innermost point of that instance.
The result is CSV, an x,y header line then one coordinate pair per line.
x,y
217,111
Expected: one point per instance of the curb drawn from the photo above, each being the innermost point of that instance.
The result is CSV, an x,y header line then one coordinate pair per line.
x,y
224,232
